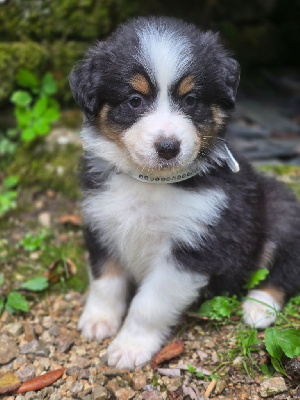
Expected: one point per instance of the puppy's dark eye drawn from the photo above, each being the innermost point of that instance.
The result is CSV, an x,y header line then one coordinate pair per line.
x,y
189,100
136,101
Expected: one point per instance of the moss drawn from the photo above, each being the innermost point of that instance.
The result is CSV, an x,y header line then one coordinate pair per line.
x,y
16,55
44,169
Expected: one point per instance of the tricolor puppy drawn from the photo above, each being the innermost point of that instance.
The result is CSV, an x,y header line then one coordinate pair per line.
x,y
168,209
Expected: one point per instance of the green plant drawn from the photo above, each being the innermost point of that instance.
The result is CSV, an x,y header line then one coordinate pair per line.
x,y
8,194
14,301
282,342
219,307
35,109
35,242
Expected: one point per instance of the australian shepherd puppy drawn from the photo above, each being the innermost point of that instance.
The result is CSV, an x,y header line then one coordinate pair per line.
x,y
168,208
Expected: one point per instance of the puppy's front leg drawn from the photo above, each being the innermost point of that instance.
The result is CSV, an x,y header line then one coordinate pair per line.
x,y
158,304
106,303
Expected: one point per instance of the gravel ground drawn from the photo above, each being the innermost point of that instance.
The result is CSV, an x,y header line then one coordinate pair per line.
x,y
47,339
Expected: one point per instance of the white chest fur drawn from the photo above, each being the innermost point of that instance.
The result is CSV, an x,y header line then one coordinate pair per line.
x,y
140,221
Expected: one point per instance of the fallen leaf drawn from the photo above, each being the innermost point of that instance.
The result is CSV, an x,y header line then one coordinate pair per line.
x,y
167,353
9,382
41,381
74,220
69,268
193,393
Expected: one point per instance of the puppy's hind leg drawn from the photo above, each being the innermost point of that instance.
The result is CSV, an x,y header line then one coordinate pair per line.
x,y
283,281
261,306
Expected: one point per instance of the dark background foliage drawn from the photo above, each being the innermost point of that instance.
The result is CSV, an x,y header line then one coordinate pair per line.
x,y
43,35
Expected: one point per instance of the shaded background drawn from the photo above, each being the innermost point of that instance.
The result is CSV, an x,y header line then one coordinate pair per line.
x,y
51,35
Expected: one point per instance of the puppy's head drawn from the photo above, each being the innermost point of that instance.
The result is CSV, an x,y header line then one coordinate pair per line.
x,y
155,95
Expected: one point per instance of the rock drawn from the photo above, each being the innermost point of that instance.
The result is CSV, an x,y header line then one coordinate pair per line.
x,y
220,386
45,219
77,387
47,322
151,394
26,372
125,394
8,349
54,330
272,386
64,343
35,347
100,393
29,332
139,381
73,370
14,328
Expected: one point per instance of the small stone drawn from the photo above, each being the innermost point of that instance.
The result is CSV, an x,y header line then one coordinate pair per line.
x,y
8,349
220,386
272,386
54,330
73,370
139,381
38,329
47,322
125,394
29,347
44,219
29,332
77,387
26,372
151,394
64,343
100,393
113,386
14,328
238,361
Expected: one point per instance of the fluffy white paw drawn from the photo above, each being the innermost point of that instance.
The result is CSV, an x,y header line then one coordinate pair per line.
x,y
98,326
260,315
130,351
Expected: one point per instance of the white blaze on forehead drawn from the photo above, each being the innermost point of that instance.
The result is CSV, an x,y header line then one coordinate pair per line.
x,y
165,54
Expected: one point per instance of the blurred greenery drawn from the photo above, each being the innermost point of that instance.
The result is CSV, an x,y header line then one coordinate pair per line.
x,y
51,35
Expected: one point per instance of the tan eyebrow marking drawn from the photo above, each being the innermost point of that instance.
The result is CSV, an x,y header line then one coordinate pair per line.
x,y
140,83
186,85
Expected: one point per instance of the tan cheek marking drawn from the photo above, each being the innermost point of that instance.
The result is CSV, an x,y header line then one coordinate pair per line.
x,y
277,294
186,85
107,129
140,83
111,269
218,116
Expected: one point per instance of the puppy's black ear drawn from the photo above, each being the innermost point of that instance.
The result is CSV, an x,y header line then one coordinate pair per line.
x,y
84,80
231,79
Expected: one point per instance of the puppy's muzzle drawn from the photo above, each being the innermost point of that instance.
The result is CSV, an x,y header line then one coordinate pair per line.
x,y
167,148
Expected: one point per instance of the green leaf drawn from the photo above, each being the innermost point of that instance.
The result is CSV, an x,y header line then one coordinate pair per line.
x,y
49,86
21,98
255,278
52,114
289,341
41,127
28,135
272,345
37,284
1,278
24,116
17,302
265,370
27,79
40,106
191,368
11,181
278,365
200,374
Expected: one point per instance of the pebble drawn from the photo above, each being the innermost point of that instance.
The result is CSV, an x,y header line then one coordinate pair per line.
x,y
64,343
26,372
272,386
100,393
139,381
152,394
45,219
125,394
220,386
14,328
8,349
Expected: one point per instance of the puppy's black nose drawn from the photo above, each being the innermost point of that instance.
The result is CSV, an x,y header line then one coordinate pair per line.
x,y
167,149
